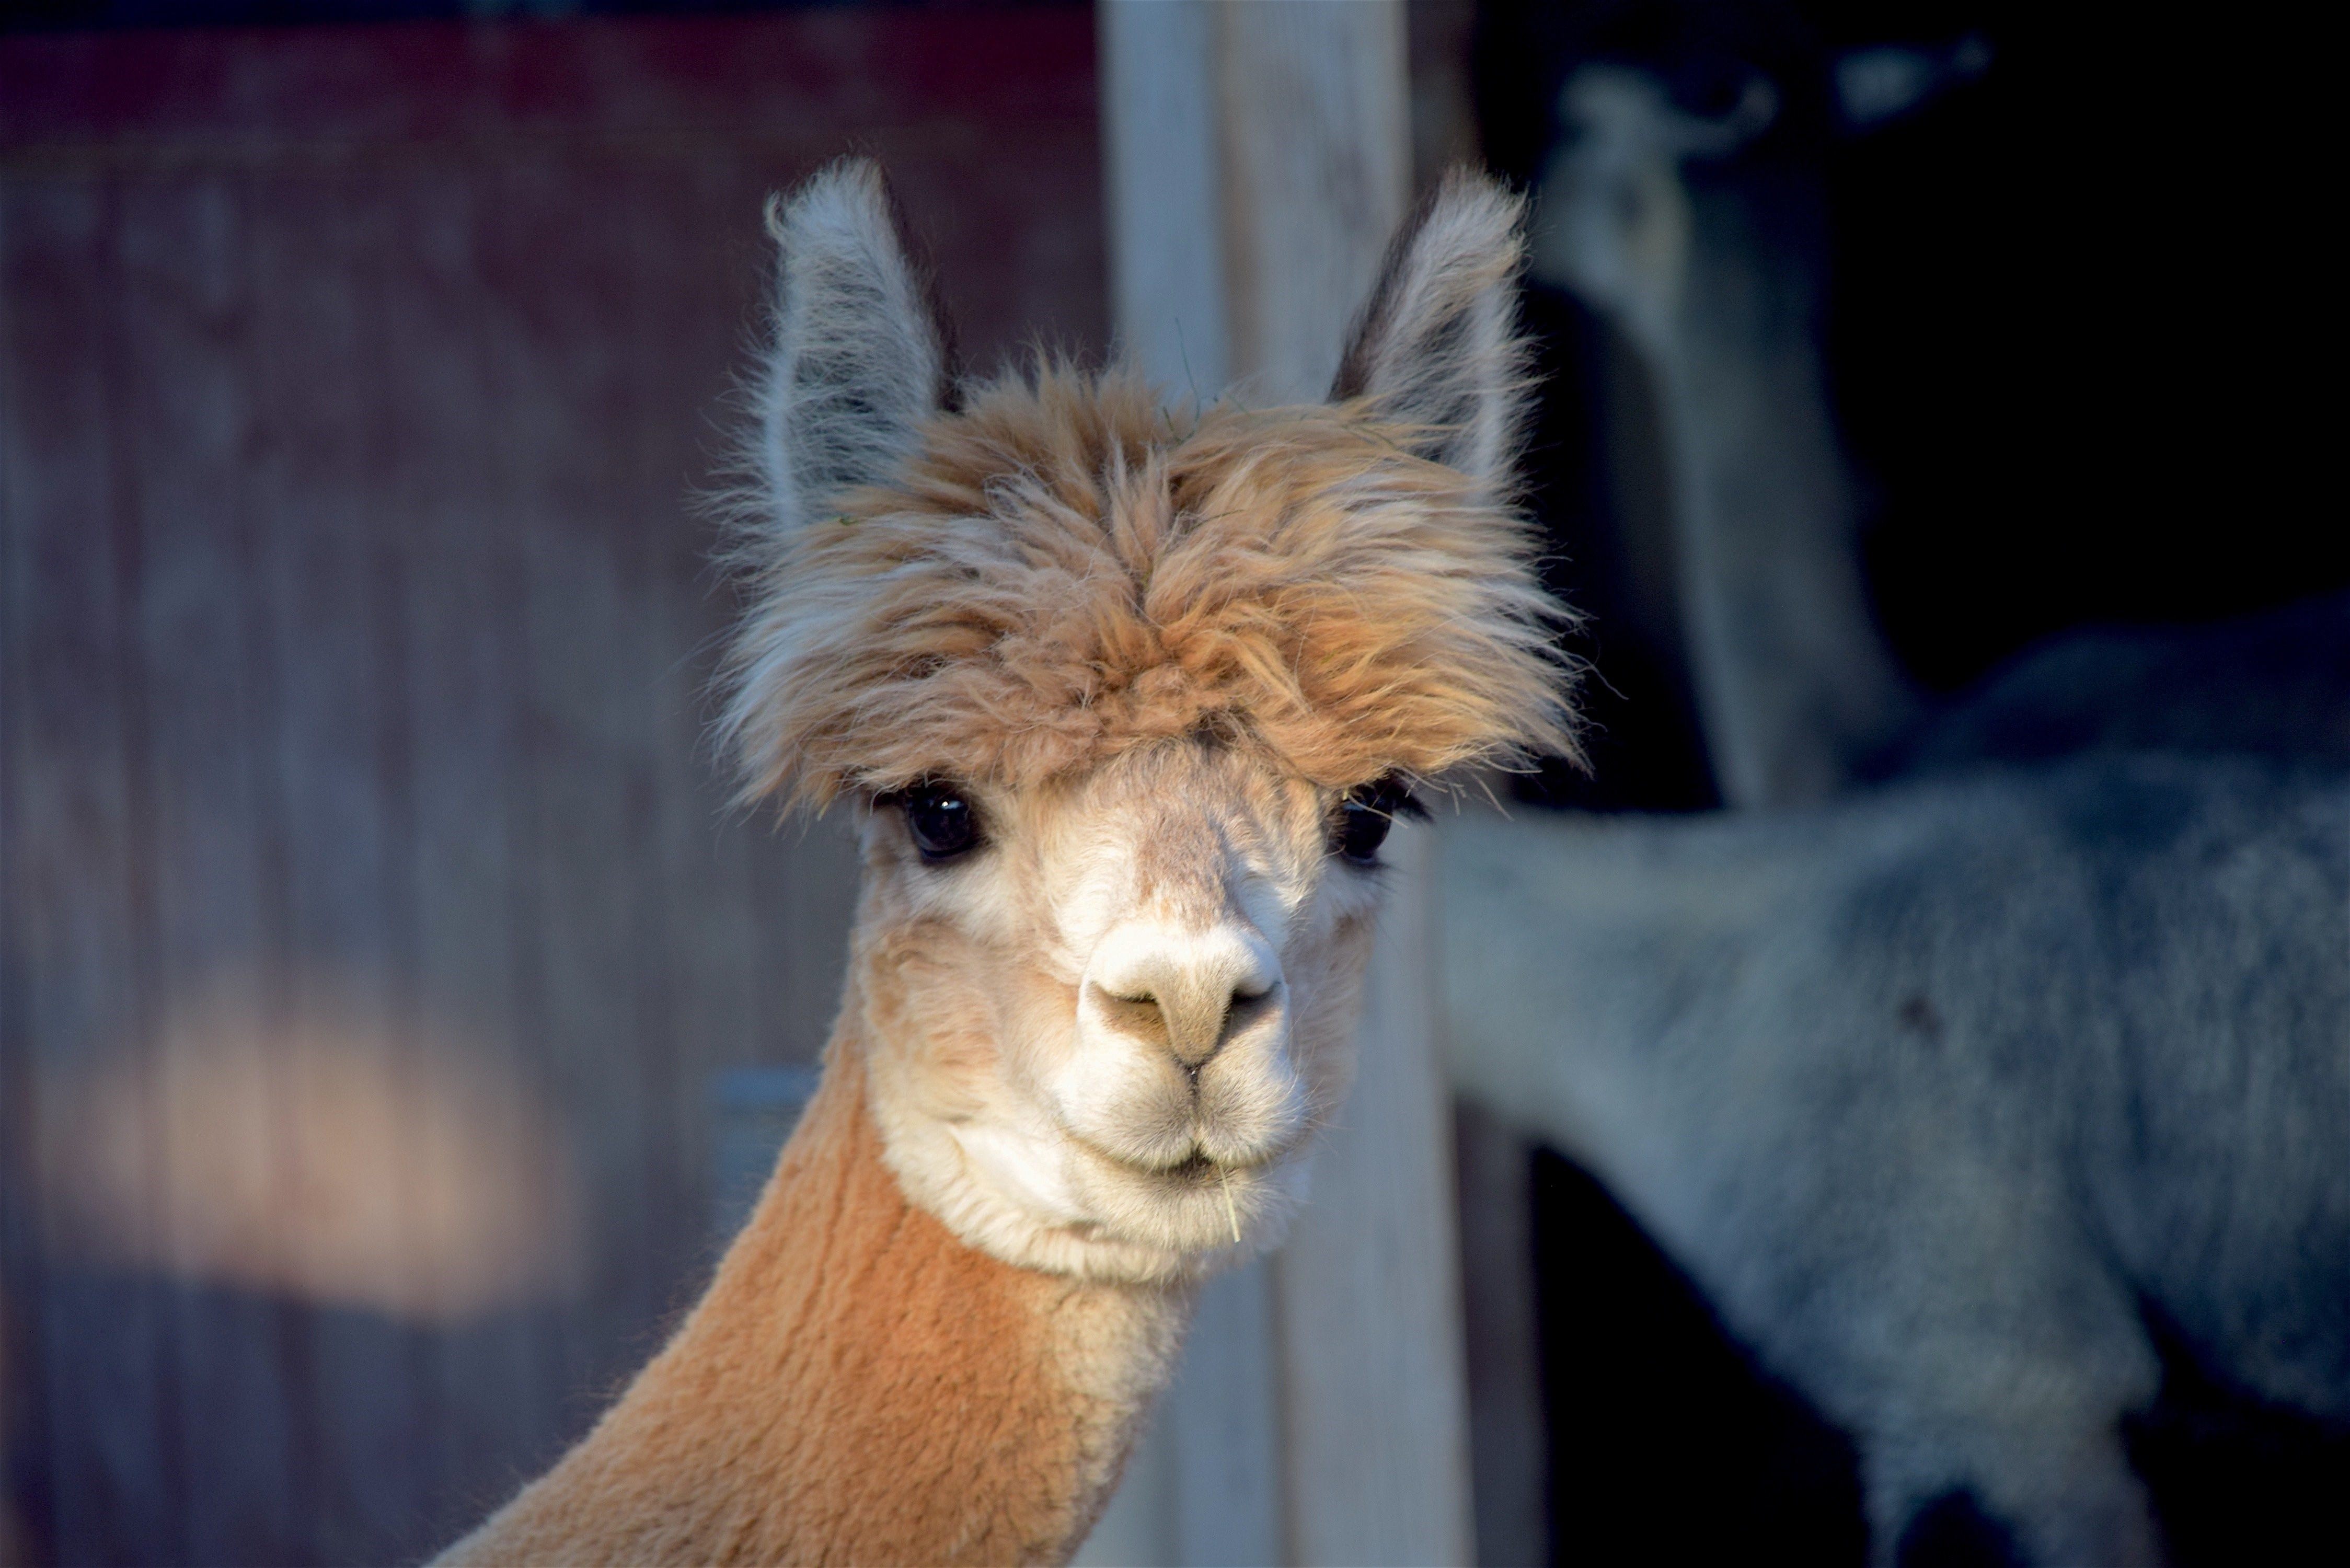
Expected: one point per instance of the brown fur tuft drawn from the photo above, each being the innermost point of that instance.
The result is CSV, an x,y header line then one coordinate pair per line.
x,y
1065,571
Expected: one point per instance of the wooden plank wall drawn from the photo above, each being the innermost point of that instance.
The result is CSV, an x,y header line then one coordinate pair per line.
x,y
373,927
1261,158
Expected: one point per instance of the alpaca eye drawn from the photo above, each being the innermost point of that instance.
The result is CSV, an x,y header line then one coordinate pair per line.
x,y
941,820
1365,813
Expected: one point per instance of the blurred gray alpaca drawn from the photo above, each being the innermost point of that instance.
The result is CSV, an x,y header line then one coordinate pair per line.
x,y
1943,1090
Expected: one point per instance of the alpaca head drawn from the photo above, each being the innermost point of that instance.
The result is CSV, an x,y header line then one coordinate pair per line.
x,y
1125,701
1617,224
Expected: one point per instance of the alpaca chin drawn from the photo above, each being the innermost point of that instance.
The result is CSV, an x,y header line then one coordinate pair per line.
x,y
1054,1205
1193,1210
1011,1181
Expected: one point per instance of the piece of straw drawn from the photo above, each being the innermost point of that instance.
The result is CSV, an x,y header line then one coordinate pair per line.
x,y
1230,1213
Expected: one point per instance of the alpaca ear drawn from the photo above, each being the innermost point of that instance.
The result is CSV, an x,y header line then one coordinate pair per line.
x,y
1437,347
857,363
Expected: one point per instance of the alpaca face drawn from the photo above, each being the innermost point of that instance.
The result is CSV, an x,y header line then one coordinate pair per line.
x,y
1117,692
1618,226
1101,1035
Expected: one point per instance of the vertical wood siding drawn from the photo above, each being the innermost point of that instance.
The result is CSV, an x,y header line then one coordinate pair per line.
x,y
355,622
1266,149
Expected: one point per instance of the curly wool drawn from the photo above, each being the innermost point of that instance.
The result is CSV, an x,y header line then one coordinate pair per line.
x,y
1065,570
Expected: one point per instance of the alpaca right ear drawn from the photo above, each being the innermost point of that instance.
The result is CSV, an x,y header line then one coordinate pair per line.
x,y
1437,347
857,364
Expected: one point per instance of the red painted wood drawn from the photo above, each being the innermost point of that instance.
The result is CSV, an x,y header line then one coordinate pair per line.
x,y
437,81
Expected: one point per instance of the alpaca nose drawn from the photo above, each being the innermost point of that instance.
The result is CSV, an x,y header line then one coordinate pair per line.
x,y
1189,992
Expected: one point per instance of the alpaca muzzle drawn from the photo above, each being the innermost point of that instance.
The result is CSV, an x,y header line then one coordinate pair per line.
x,y
1192,1022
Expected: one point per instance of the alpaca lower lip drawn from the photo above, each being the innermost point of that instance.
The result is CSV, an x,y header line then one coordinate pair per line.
x,y
1193,1170
1203,1169
1195,1167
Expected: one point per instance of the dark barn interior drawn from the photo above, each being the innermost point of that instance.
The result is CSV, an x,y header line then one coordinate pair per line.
x,y
2065,307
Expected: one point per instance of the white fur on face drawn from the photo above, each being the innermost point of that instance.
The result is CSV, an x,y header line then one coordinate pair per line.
x,y
1100,1042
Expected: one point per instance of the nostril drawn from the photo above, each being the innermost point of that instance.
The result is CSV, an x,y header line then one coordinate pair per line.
x,y
1186,992
1246,1008
1136,1014
1191,1027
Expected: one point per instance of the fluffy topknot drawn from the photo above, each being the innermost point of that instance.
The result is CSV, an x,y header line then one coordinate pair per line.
x,y
1064,570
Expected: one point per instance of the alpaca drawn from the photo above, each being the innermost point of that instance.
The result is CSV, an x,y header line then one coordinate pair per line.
x,y
1794,689
1956,1099
1714,279
1125,701
1963,1097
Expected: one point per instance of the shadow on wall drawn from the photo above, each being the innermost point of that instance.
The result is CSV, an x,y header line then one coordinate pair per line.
x,y
204,1445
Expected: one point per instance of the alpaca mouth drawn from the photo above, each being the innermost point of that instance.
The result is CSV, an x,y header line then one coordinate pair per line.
x,y
1196,1169
1201,1172
1199,1203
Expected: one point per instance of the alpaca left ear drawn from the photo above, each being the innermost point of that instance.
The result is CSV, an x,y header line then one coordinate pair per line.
x,y
1437,347
859,363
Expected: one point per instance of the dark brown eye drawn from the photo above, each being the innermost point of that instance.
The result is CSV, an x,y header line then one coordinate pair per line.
x,y
1365,813
941,819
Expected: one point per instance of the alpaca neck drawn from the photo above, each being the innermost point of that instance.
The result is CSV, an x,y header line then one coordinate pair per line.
x,y
1795,686
857,1386
1577,951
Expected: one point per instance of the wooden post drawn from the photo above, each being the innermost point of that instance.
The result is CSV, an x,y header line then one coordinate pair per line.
x,y
1259,159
